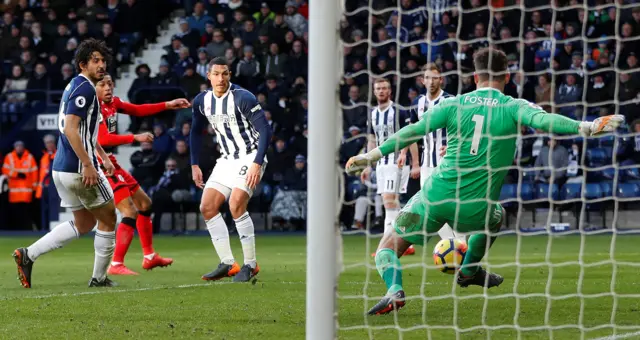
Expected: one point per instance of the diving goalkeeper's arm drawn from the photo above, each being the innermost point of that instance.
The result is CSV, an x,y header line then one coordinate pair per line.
x,y
537,118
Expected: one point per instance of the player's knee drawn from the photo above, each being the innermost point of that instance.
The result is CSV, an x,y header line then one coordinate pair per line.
x,y
144,204
390,201
237,208
129,211
208,210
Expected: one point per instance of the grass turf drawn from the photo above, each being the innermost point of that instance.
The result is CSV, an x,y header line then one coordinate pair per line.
x,y
173,302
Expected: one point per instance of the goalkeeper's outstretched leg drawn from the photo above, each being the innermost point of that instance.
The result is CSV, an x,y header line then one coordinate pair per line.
x,y
471,273
390,249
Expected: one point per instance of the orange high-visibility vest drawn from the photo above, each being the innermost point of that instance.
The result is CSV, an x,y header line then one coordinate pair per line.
x,y
20,190
44,179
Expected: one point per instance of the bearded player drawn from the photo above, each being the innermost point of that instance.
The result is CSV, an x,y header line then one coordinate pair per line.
x,y
435,142
134,204
482,127
392,175
244,134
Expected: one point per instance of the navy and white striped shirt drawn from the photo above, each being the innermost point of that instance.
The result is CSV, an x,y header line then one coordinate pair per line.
x,y
434,140
79,98
384,123
238,120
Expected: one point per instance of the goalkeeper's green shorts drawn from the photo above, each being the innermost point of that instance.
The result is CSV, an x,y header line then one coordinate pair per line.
x,y
415,220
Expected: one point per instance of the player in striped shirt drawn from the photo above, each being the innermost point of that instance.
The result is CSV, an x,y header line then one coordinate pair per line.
x,y
434,143
80,182
244,134
134,204
392,175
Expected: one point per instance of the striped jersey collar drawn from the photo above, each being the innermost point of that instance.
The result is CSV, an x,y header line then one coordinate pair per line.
x,y
87,78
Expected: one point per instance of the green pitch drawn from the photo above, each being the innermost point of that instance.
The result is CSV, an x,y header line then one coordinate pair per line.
x,y
174,303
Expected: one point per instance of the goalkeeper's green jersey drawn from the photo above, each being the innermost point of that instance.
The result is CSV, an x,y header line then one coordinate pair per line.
x,y
482,127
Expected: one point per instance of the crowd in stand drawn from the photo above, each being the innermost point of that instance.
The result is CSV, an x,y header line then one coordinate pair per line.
x,y
266,45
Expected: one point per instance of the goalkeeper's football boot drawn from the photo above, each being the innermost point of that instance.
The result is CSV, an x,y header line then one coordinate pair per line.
x,y
24,264
120,269
156,261
223,270
246,273
482,279
104,283
410,251
388,303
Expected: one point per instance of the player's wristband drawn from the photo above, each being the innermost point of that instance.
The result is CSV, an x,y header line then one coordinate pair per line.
x,y
585,128
373,155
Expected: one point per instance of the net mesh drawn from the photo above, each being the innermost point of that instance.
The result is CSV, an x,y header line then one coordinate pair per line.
x,y
566,248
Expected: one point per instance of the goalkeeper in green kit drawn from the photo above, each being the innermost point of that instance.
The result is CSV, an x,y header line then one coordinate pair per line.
x,y
464,189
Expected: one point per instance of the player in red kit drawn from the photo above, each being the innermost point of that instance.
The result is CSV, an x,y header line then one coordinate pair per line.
x,y
133,203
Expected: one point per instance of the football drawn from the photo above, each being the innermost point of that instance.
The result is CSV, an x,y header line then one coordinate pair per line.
x,y
448,254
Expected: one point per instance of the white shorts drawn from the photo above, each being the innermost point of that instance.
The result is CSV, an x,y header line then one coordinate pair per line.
x,y
232,173
388,181
75,196
425,172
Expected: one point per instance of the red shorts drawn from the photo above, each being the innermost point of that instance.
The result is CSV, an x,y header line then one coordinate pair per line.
x,y
122,183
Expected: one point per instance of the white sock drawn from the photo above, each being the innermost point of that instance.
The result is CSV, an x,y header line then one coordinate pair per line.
x,y
361,208
389,217
378,204
244,225
220,238
56,238
104,243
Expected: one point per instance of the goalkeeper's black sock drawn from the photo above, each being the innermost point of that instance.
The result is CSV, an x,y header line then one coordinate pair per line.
x,y
390,269
475,252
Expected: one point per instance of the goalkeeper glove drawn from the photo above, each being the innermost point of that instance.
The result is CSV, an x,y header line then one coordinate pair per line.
x,y
601,125
356,164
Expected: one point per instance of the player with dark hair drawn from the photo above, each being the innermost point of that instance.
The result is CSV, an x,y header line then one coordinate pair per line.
x,y
244,134
134,204
482,127
434,143
79,179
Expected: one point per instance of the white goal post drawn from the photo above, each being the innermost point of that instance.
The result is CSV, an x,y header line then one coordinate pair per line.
x,y
323,170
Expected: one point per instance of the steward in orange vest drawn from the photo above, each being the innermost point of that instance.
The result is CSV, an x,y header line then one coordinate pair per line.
x,y
22,170
45,164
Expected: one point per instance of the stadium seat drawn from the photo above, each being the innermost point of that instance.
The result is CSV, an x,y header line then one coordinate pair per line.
x,y
542,191
627,190
508,194
528,175
608,150
596,157
526,191
593,191
607,140
571,191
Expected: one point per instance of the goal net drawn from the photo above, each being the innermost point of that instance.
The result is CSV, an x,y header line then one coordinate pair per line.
x,y
566,248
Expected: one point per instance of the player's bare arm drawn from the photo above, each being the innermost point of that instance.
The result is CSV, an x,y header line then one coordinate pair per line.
x,y
108,166
72,132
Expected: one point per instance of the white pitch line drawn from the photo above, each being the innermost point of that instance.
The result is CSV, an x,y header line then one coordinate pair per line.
x,y
113,291
619,336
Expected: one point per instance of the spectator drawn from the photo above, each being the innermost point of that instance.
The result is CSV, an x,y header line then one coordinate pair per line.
x,y
22,171
82,31
147,165
218,45
554,159
39,81
290,202
294,20
191,82
184,132
162,142
543,92
181,156
248,33
353,144
261,47
189,37
92,12
280,159
207,36
165,78
41,41
14,101
631,152
278,29
629,97
198,19
296,62
569,93
274,62
185,61
599,92
172,189
248,70
237,25
202,64
265,16
238,47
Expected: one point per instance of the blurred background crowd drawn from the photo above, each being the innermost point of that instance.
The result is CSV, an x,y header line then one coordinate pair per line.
x,y
580,60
